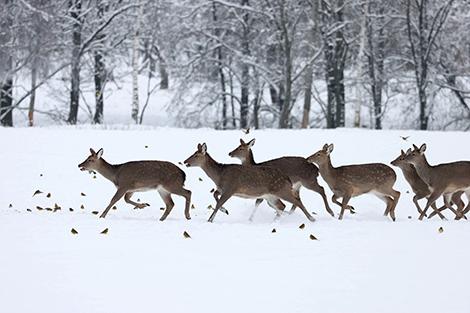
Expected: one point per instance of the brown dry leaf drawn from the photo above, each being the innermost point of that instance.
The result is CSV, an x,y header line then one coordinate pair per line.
x,y
82,194
95,212
37,192
186,235
48,195
312,237
70,209
302,226
39,208
274,230
104,231
74,231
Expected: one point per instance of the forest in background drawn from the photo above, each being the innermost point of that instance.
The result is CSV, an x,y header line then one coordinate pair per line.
x,y
242,63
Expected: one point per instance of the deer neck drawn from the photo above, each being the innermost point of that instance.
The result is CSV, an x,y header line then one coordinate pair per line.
x,y
107,170
212,168
250,160
327,171
424,169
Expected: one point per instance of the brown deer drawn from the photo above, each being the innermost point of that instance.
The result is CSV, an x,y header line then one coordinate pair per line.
x,y
136,176
300,172
443,179
354,180
420,188
246,182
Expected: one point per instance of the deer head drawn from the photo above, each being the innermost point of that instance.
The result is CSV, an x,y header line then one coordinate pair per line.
x,y
242,152
416,155
199,157
322,156
92,162
400,160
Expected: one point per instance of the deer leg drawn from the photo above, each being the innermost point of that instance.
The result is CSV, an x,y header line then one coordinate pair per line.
x,y
187,196
395,196
257,203
118,195
216,195
127,198
462,212
278,206
313,185
457,200
295,188
415,201
295,199
438,211
222,199
344,205
431,199
388,201
166,196
334,198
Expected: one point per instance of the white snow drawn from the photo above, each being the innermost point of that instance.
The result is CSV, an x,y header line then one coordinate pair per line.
x,y
365,263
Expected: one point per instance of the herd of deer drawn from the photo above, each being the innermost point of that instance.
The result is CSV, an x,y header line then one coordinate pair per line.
x,y
280,179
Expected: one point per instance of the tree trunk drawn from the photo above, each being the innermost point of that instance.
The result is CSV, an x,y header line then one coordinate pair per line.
x,y
99,86
135,67
32,98
232,102
335,58
245,70
99,69
6,102
307,96
220,70
164,79
75,12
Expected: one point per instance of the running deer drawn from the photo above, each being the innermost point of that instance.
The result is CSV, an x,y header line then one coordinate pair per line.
x,y
246,182
136,176
420,188
443,179
354,180
299,171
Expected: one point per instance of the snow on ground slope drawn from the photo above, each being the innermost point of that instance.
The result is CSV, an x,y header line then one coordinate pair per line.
x,y
365,263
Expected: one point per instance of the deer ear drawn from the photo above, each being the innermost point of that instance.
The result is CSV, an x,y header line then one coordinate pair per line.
x,y
330,148
242,142
92,151
408,151
402,152
422,148
251,143
199,147
415,147
204,148
325,146
99,153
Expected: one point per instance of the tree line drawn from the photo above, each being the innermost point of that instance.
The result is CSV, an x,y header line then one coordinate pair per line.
x,y
242,63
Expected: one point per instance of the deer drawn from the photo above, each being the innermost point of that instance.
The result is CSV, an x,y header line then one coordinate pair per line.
x,y
443,179
252,182
354,180
136,176
421,189
300,172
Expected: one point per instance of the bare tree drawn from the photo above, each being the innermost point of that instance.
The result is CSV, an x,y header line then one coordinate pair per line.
x,y
424,23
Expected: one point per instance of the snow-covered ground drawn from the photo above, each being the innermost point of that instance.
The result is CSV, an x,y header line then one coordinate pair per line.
x,y
365,263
